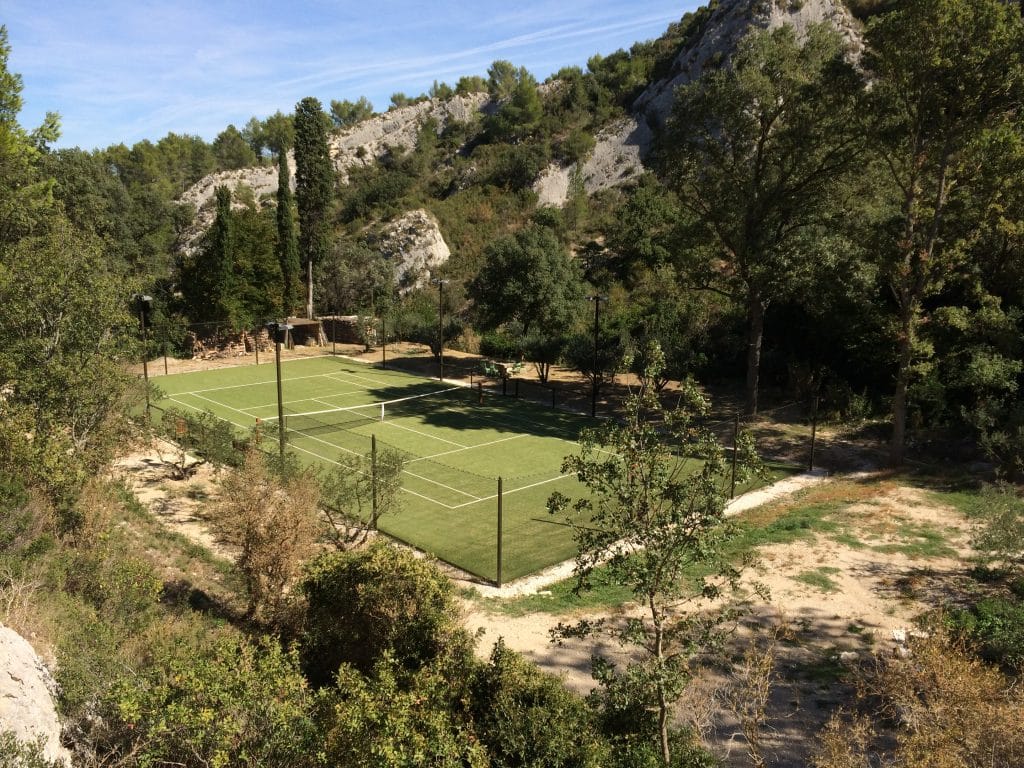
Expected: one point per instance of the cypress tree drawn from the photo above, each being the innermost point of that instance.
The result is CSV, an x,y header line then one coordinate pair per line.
x,y
287,247
314,185
219,258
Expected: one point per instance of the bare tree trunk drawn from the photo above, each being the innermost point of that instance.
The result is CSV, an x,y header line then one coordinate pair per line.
x,y
905,350
755,333
663,708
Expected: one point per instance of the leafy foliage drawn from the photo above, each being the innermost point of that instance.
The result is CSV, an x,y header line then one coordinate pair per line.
x,y
229,702
369,604
655,510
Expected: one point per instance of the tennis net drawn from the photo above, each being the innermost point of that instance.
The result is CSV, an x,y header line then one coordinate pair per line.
x,y
350,417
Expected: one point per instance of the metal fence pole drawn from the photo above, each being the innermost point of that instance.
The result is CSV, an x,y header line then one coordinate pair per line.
x,y
373,474
735,451
498,582
814,431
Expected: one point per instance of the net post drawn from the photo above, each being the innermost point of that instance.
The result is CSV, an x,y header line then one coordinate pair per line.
x,y
373,475
498,581
382,411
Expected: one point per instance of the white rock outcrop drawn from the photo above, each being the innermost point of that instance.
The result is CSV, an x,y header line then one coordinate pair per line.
x,y
360,145
621,149
728,24
414,245
26,696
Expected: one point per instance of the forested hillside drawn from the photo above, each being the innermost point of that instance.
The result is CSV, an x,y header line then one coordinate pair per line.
x,y
807,199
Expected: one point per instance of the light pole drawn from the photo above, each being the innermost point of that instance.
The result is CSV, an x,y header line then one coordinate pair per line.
x,y
280,332
145,305
597,299
440,325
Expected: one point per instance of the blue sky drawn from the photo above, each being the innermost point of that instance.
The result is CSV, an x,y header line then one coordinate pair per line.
x,y
127,70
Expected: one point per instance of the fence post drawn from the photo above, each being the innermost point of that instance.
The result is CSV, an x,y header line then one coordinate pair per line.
x,y
479,393
498,582
517,388
373,474
735,451
814,431
504,385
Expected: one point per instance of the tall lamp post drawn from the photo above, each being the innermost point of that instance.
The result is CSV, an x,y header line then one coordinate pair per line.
x,y
145,305
280,333
597,299
440,283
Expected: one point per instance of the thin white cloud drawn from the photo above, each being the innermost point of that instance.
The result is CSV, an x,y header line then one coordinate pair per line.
x,y
121,71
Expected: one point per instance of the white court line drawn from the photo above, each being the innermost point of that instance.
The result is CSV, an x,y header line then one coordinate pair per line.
x,y
425,434
284,380
467,448
404,471
199,410
377,382
222,405
515,490
442,485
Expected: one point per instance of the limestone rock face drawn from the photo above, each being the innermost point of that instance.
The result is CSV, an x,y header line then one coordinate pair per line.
x,y
415,247
729,23
621,149
26,703
360,145
617,158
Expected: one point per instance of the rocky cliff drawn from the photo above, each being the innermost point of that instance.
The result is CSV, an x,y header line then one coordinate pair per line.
x,y
620,150
26,690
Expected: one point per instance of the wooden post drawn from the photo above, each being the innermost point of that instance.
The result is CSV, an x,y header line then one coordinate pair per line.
x,y
735,451
498,582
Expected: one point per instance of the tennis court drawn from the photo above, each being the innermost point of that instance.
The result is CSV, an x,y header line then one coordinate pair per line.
x,y
455,442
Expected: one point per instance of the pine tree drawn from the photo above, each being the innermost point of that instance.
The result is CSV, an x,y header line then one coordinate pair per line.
x,y
287,246
314,185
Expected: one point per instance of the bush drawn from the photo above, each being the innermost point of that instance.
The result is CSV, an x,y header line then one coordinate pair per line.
x,y
528,718
939,708
363,605
233,702
996,627
398,720
19,754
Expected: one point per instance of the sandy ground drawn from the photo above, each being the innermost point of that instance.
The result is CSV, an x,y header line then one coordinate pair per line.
x,y
875,592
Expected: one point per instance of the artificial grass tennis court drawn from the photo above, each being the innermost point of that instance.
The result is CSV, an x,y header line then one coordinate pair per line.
x,y
455,449
455,446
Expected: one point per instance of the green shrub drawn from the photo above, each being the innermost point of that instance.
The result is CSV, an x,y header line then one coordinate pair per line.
x,y
996,627
234,702
395,719
20,754
383,600
528,718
